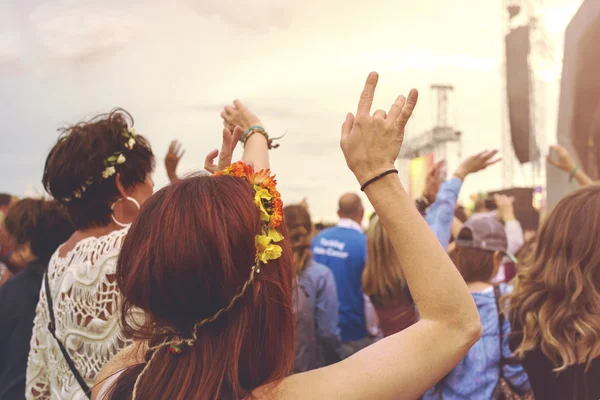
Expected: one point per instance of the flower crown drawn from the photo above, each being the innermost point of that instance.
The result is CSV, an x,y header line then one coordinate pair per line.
x,y
110,164
268,201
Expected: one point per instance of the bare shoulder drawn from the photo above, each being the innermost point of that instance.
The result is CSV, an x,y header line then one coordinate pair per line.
x,y
131,355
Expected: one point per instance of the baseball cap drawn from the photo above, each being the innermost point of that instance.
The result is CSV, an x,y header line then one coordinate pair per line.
x,y
485,233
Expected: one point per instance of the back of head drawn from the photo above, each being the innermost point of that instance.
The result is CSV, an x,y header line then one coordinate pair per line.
x,y
41,224
189,257
5,199
78,168
557,292
382,277
299,227
350,206
480,245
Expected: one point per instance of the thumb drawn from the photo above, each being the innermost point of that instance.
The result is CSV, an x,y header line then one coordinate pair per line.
x,y
347,126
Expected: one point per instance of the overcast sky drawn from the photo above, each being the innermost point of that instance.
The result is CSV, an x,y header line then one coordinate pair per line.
x,y
300,65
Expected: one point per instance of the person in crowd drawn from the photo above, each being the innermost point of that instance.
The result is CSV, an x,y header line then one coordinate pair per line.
x,y
560,157
6,202
10,262
504,211
38,227
480,248
440,215
343,249
383,281
555,304
219,323
433,181
101,172
316,302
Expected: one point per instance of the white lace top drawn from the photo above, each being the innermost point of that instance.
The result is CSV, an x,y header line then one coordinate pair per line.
x,y
86,305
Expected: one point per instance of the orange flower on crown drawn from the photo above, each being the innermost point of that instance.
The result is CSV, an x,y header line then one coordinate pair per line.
x,y
268,202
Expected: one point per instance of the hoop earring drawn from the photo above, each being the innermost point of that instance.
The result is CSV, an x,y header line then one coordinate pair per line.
x,y
112,208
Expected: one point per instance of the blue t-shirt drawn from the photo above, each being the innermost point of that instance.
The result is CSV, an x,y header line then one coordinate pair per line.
x,y
344,251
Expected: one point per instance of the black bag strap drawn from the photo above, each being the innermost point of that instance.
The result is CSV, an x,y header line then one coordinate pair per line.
x,y
500,325
52,329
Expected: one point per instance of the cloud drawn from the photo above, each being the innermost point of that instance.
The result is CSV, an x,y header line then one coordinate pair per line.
x,y
82,33
258,16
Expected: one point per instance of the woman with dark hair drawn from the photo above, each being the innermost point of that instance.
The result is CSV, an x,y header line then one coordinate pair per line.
x,y
37,228
100,172
315,300
207,263
555,305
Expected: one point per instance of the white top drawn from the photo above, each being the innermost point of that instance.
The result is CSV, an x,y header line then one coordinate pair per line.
x,y
86,305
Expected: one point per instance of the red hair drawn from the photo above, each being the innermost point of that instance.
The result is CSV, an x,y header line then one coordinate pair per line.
x,y
186,256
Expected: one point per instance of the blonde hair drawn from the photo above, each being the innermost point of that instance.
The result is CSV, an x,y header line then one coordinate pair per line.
x,y
299,227
383,277
557,291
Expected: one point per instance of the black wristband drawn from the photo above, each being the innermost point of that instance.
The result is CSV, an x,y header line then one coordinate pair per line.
x,y
391,171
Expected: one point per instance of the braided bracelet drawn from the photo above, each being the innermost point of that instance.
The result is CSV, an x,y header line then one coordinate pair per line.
x,y
259,129
248,132
573,173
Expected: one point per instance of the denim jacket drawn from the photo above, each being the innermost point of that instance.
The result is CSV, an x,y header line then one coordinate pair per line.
x,y
478,373
316,312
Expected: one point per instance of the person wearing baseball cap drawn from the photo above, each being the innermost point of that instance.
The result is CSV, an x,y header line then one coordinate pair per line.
x,y
480,248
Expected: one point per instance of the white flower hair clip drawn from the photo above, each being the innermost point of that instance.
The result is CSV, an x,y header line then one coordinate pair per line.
x,y
110,163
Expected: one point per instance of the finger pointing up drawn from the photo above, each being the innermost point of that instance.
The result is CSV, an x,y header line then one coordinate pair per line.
x,y
366,97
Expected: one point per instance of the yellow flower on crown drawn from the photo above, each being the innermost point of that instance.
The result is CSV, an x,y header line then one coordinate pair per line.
x,y
266,249
260,195
268,202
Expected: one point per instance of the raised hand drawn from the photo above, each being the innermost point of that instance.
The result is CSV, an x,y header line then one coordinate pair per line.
x,y
505,210
433,182
561,158
371,143
239,115
230,141
172,159
477,163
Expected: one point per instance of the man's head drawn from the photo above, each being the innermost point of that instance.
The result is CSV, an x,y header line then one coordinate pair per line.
x,y
350,206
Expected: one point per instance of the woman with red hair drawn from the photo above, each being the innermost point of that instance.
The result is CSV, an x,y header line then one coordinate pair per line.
x,y
207,263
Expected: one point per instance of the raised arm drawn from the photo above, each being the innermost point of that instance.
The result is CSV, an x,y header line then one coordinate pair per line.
x,y
440,215
562,159
404,365
514,231
256,149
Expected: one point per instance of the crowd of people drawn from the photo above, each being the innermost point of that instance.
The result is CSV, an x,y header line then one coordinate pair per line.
x,y
211,288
